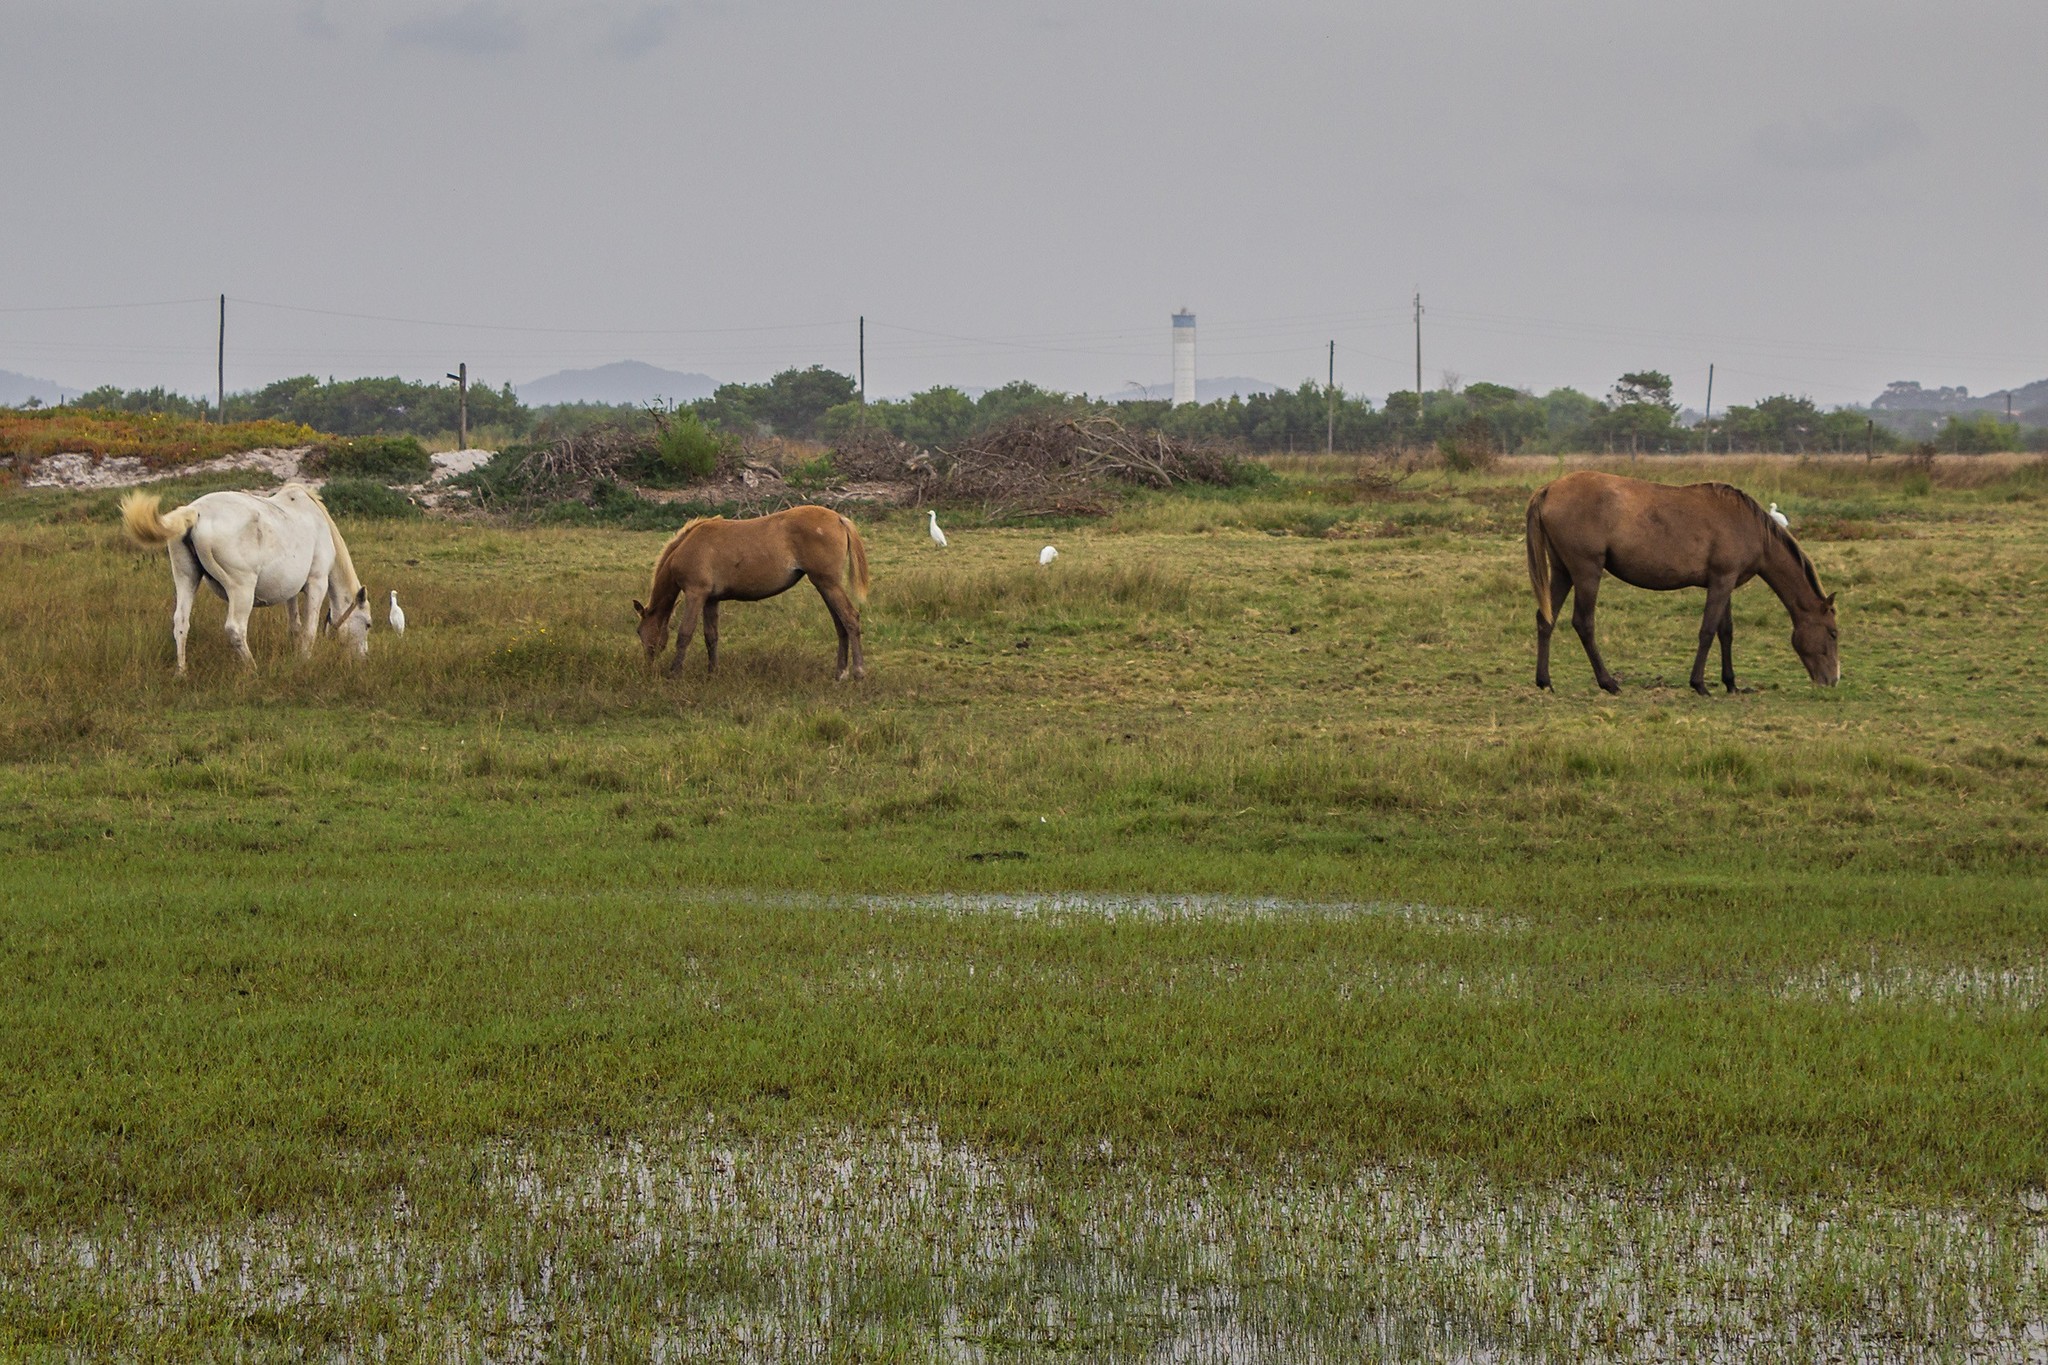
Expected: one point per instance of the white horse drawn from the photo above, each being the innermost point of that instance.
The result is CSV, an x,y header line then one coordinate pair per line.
x,y
257,552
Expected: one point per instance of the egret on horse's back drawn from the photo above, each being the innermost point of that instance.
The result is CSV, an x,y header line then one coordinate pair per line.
x,y
256,551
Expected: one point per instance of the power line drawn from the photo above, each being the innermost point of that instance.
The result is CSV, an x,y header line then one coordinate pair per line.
x,y
549,331
103,307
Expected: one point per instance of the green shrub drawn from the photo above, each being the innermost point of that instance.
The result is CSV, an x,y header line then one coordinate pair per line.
x,y
387,459
808,475
1469,447
684,451
1978,433
366,500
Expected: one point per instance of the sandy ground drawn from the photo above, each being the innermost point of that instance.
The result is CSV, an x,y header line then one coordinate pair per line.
x,y
124,471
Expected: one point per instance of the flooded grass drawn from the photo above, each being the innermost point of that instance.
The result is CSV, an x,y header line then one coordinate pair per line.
x,y
901,1245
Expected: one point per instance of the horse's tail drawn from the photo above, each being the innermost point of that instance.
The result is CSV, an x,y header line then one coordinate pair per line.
x,y
857,559
146,526
1539,559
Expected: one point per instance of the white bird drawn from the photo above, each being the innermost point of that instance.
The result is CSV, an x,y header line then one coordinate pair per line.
x,y
397,615
1047,556
938,536
1779,517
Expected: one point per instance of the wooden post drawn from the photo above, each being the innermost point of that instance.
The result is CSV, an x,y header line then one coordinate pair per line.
x,y
1330,404
220,361
863,359
1418,355
461,379
1707,422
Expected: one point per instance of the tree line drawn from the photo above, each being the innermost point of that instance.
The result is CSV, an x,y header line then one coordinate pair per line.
x,y
1637,415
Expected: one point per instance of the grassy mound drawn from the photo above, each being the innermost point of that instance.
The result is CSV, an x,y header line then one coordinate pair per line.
x,y
160,440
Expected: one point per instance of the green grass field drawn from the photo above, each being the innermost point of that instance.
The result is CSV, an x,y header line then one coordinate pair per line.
x,y
1210,947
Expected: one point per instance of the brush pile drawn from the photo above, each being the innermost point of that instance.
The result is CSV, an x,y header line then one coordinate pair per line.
x,y
1037,466
570,466
1048,465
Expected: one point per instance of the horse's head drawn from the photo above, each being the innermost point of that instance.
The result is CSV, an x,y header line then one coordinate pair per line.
x,y
1817,643
353,625
653,630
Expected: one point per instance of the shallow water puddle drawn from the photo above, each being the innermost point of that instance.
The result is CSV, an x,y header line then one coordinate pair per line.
x,y
1147,907
1968,987
898,1244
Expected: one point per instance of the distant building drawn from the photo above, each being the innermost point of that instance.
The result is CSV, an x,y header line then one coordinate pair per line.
x,y
1183,357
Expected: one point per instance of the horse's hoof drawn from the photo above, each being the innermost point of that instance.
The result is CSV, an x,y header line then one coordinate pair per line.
x,y
1703,689
1611,688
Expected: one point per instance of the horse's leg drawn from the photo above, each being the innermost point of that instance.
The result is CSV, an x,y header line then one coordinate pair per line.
x,y
241,601
860,658
185,580
307,627
1587,590
687,612
1727,634
844,620
1718,593
710,636
1560,585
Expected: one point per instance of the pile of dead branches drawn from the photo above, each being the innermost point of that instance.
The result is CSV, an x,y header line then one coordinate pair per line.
x,y
570,466
1070,464
873,455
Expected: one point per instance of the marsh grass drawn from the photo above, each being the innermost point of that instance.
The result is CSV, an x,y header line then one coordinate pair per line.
x,y
305,957
896,1244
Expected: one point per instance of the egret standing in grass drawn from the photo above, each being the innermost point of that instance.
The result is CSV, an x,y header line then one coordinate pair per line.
x,y
1047,556
938,536
397,617
1779,517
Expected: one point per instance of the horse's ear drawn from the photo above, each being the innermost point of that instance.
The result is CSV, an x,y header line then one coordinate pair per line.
x,y
362,597
637,607
1831,601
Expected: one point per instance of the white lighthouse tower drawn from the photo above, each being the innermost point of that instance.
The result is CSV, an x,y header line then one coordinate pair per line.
x,y
1183,357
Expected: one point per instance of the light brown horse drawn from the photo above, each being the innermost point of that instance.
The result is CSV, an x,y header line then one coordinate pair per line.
x,y
712,560
1653,535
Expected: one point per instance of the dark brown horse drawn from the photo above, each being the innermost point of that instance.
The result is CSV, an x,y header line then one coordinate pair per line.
x,y
712,560
1653,535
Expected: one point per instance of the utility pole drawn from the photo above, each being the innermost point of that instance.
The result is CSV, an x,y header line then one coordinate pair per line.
x,y
1418,353
1330,403
863,359
1708,421
461,378
220,361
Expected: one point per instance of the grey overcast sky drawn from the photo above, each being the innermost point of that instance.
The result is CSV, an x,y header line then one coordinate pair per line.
x,y
1818,198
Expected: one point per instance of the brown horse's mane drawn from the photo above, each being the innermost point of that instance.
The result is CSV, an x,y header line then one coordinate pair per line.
x,y
1777,532
674,542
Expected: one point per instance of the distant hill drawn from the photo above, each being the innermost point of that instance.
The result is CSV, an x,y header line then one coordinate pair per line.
x,y
622,381
16,389
1206,390
2026,402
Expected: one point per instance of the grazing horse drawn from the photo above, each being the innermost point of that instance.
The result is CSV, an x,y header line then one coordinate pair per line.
x,y
256,552
712,560
1652,535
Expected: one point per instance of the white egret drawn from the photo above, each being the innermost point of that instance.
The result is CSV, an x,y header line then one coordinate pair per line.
x,y
938,536
1047,556
1779,517
397,615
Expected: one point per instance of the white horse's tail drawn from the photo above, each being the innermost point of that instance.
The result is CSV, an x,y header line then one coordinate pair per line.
x,y
146,526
